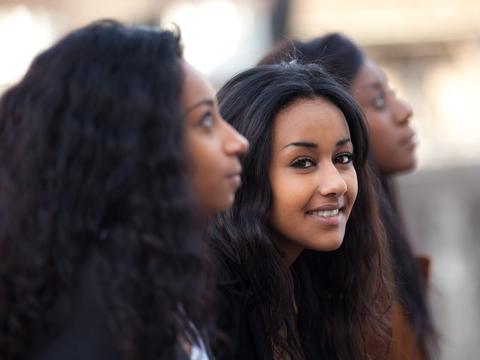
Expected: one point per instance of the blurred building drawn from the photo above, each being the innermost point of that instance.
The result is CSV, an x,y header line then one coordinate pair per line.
x,y
431,52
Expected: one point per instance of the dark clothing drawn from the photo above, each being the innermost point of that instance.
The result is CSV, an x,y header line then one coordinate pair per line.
x,y
79,325
241,321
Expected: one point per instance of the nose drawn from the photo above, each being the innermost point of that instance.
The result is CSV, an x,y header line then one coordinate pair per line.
x,y
331,182
402,111
234,144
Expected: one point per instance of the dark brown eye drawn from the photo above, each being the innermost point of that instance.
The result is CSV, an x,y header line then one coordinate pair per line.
x,y
303,163
206,121
379,102
344,158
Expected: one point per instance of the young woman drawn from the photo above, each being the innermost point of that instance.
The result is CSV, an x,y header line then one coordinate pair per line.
x,y
112,153
392,143
304,273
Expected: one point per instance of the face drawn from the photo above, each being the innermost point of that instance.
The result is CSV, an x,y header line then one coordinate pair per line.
x,y
313,180
392,140
212,144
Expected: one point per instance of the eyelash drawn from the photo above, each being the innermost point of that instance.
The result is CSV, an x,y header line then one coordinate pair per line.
x,y
301,162
383,98
296,163
208,116
348,156
377,106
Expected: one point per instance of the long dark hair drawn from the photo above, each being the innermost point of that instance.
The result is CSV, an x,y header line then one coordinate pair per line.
x,y
341,58
341,295
92,162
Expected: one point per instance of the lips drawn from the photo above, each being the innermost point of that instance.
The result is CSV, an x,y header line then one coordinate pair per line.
x,y
324,213
327,210
234,178
330,215
409,140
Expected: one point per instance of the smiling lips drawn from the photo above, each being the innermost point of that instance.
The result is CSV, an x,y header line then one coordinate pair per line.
x,y
324,213
327,214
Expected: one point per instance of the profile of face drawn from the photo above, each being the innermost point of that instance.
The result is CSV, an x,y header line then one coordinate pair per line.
x,y
212,144
313,180
392,140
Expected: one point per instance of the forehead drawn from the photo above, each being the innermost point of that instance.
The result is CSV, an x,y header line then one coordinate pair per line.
x,y
317,120
195,86
369,74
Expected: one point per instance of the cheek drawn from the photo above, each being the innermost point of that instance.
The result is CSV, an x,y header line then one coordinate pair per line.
x,y
206,164
207,155
352,187
381,134
290,195
285,191
285,199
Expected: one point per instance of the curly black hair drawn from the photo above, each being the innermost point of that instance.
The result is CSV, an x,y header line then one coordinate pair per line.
x,y
342,296
92,165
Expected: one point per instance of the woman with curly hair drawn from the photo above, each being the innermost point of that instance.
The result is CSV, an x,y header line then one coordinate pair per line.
x,y
112,154
304,274
393,143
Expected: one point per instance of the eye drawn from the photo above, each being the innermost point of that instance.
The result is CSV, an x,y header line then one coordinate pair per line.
x,y
206,121
379,102
346,158
303,163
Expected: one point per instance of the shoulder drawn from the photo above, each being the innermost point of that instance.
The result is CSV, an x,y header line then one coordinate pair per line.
x,y
233,294
78,326
238,319
423,262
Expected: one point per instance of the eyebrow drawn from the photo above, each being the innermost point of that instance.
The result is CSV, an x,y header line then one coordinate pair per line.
x,y
342,142
308,144
208,102
377,86
301,144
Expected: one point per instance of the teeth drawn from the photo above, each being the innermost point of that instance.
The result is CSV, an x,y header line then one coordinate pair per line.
x,y
326,213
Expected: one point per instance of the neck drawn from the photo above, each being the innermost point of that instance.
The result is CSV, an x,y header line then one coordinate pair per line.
x,y
290,250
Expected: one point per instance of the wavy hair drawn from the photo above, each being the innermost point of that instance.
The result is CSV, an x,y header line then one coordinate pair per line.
x,y
342,295
342,59
92,162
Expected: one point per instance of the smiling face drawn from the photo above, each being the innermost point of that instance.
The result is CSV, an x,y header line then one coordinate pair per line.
x,y
313,180
392,140
212,144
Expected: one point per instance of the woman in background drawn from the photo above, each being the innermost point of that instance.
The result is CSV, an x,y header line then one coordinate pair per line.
x,y
303,272
112,153
392,144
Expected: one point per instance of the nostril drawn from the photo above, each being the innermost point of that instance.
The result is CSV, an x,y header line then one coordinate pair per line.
x,y
245,144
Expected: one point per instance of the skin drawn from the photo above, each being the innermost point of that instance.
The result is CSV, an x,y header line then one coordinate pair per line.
x,y
212,144
392,140
311,169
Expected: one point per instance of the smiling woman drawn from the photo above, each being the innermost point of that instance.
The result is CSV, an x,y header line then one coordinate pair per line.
x,y
303,268
314,183
392,151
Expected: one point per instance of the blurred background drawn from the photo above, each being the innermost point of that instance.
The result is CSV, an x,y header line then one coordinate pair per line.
x,y
431,52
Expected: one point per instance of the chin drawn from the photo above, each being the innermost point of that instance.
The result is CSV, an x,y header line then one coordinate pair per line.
x,y
225,203
335,246
406,168
329,245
